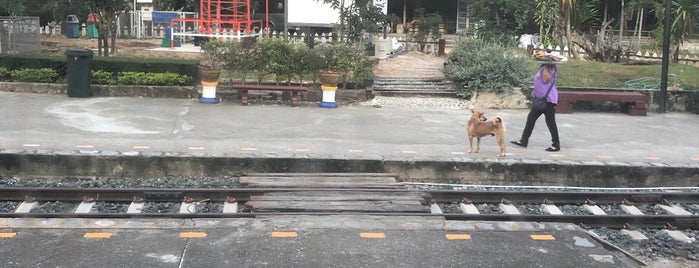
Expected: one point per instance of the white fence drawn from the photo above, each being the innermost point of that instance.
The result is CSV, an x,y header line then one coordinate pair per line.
x,y
639,56
20,35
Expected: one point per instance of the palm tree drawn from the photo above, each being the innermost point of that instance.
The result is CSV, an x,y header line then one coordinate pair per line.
x,y
639,7
566,7
686,14
546,17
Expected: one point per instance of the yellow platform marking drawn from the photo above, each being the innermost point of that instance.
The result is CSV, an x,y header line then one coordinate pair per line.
x,y
192,234
7,235
695,158
141,147
542,237
284,234
458,153
31,145
302,150
356,151
372,235
85,146
558,155
408,152
248,149
97,235
652,158
196,148
605,157
458,236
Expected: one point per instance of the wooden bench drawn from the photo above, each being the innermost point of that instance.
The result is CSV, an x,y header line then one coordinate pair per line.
x,y
632,103
243,91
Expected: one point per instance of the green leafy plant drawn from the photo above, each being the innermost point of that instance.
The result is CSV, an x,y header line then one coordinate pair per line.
x,y
100,77
240,57
300,59
41,75
350,61
213,51
476,65
154,79
356,18
4,74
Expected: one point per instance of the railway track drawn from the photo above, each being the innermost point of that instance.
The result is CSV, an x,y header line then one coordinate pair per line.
x,y
253,202
630,220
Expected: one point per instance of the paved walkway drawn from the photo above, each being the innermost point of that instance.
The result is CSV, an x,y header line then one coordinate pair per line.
x,y
39,122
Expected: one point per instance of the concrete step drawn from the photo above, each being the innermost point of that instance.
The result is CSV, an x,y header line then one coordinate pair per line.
x,y
411,85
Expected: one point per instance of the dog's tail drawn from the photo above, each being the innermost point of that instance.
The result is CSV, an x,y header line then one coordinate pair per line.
x,y
497,120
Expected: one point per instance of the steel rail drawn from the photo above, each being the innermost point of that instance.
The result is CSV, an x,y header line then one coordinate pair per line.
x,y
587,221
243,194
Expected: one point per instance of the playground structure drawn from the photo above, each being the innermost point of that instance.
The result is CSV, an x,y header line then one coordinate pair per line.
x,y
220,19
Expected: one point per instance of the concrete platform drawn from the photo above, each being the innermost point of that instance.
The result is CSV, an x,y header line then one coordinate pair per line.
x,y
53,135
338,241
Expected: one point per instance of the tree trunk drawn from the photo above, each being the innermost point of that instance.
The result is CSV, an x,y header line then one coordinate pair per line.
x,y
622,22
569,36
640,27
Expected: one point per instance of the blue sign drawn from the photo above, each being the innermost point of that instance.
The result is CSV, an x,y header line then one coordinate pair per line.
x,y
163,17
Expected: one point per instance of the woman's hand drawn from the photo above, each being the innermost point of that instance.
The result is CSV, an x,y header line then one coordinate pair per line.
x,y
545,74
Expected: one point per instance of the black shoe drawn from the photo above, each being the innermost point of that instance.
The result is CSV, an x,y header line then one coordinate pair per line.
x,y
553,149
519,143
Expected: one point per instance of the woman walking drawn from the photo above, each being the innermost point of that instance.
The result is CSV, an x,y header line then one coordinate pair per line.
x,y
544,87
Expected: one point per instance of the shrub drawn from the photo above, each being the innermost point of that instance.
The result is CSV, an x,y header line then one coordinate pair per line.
x,y
102,77
352,62
4,74
477,65
278,54
498,34
152,79
41,75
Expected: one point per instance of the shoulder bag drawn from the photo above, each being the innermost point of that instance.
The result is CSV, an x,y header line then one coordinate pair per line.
x,y
539,104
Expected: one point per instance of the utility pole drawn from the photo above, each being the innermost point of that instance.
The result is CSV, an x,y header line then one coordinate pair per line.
x,y
666,57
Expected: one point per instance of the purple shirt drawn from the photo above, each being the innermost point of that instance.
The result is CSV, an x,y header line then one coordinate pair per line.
x,y
540,87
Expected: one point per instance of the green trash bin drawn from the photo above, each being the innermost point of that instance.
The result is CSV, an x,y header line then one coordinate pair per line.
x,y
79,72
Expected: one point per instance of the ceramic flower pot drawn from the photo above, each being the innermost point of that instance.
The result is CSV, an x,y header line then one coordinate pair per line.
x,y
329,80
209,81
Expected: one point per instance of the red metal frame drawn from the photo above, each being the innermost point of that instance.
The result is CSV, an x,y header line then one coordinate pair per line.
x,y
224,16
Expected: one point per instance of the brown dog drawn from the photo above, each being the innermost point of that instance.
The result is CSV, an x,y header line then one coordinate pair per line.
x,y
478,127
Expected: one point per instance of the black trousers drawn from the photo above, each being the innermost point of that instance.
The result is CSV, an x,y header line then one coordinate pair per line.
x,y
550,115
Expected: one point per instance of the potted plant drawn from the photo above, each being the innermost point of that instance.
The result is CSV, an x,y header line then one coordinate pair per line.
x,y
330,70
329,73
210,69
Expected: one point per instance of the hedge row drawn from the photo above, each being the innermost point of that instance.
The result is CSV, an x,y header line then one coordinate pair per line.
x,y
106,64
46,75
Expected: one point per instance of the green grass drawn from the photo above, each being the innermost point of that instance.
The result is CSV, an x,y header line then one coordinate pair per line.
x,y
614,75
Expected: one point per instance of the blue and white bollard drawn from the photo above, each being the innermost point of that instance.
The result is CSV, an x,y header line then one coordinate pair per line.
x,y
328,96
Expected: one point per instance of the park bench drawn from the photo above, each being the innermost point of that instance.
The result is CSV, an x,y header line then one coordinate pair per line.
x,y
632,103
244,88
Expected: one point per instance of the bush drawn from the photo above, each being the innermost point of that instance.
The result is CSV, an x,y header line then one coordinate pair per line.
x,y
23,61
477,65
498,34
152,79
100,77
42,75
352,62
4,74
147,65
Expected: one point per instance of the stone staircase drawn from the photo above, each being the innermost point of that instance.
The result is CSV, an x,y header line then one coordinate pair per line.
x,y
408,86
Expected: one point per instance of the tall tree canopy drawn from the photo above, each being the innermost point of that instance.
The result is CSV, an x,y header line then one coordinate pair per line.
x,y
11,8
